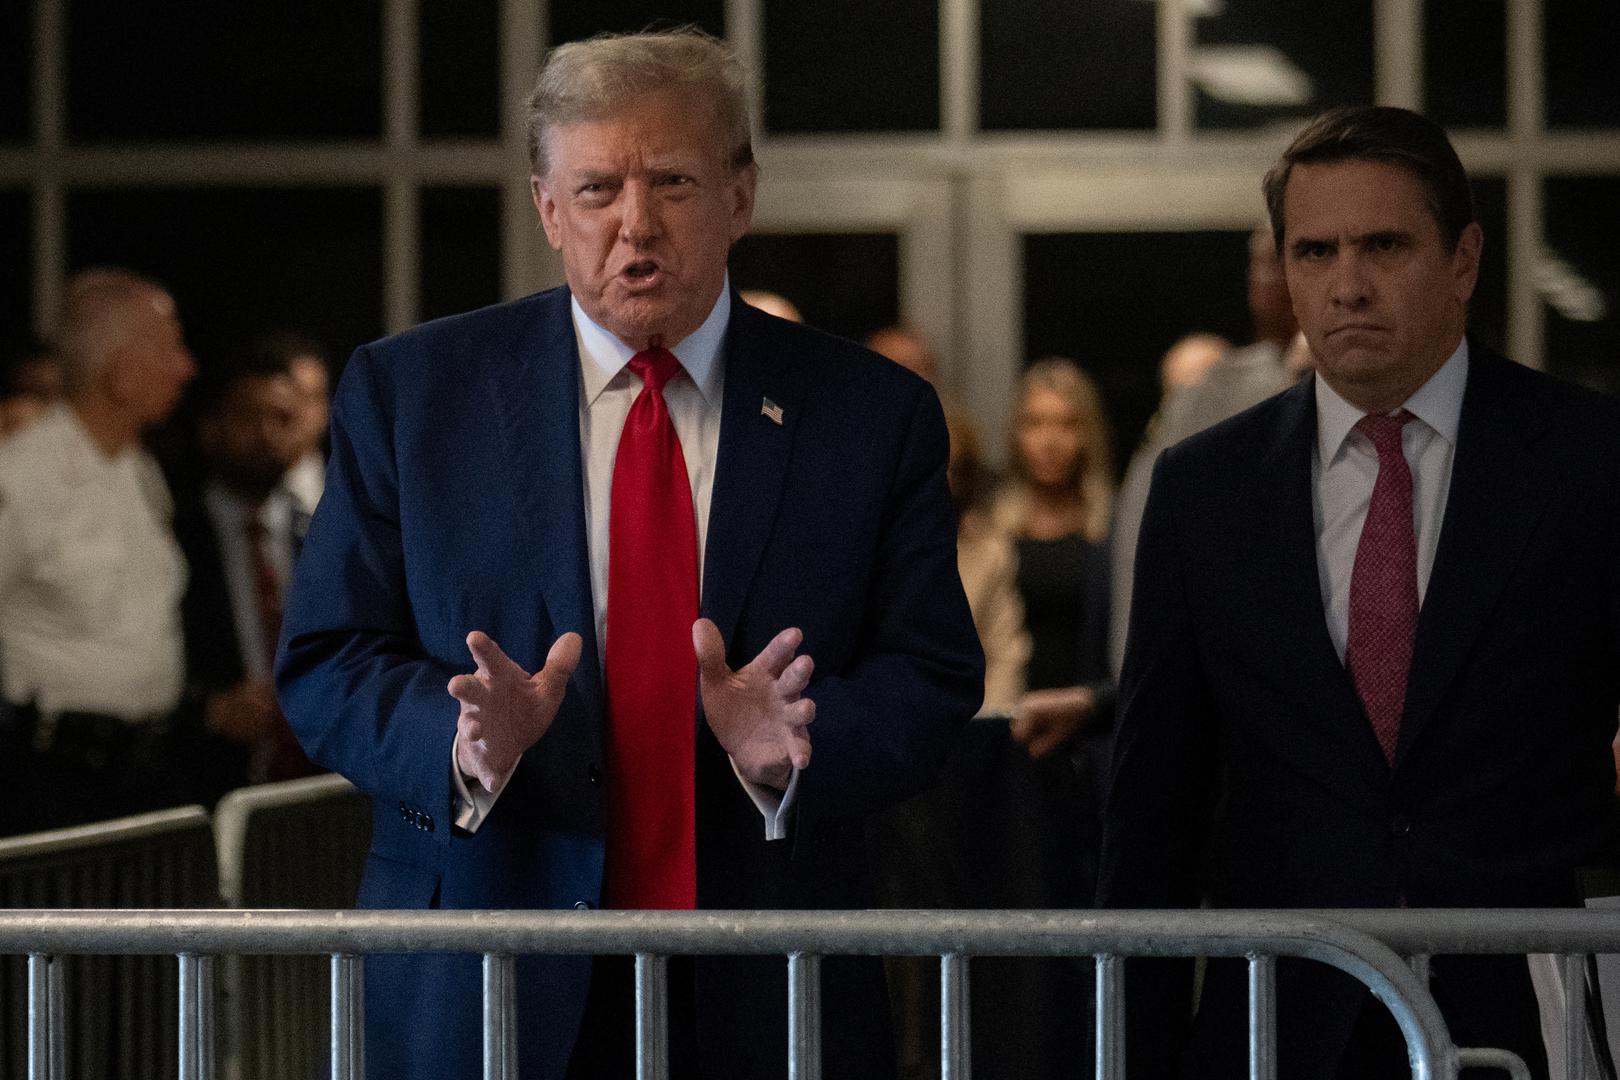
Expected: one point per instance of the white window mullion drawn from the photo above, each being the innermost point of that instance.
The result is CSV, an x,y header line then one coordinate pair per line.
x,y
1398,52
1175,45
527,263
1526,214
49,196
401,241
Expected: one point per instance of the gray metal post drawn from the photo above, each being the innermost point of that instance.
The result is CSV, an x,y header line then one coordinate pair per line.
x,y
652,1017
206,1043
804,1016
188,1016
955,1037
500,1044
1110,1008
1420,966
56,1035
343,1041
1573,968
39,1018
1262,1017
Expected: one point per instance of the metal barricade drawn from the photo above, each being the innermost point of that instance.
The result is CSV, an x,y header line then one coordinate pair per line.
x,y
802,937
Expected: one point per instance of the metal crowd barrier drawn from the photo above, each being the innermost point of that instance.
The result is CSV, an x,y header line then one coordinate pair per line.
x,y
196,937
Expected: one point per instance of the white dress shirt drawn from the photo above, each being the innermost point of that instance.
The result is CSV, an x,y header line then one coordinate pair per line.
x,y
607,389
230,514
90,576
1345,467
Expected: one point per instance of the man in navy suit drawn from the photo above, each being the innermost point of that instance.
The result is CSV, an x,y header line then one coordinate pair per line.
x,y
784,485
1374,656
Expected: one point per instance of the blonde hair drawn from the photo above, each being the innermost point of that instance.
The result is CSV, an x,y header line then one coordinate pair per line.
x,y
1092,478
593,79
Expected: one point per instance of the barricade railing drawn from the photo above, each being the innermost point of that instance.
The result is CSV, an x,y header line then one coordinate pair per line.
x,y
196,937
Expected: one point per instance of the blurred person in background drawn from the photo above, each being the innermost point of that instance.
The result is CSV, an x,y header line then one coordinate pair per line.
x,y
241,529
310,368
1055,506
989,569
91,658
908,347
772,304
1235,381
1187,361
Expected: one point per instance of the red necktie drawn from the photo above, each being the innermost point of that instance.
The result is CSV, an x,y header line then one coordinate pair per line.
x,y
650,671
266,587
1383,586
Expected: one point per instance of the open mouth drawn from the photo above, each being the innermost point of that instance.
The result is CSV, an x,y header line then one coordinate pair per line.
x,y
645,270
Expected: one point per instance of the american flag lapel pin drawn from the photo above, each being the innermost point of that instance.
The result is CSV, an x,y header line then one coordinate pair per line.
x,y
769,408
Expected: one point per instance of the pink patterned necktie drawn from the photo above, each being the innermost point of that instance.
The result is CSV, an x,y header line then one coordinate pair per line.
x,y
1383,586
651,673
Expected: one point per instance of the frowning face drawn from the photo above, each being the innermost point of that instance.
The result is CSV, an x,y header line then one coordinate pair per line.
x,y
644,206
1380,296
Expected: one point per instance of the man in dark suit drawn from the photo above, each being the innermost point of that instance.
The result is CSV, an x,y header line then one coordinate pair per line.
x,y
240,529
606,745
1374,654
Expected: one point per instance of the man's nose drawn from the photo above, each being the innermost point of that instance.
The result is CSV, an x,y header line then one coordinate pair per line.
x,y
639,224
1351,286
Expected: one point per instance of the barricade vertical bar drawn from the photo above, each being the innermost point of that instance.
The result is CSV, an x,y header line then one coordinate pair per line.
x,y
188,1016
1262,1017
1110,1007
500,1058
804,1017
955,1038
39,1017
342,1017
652,1017
1573,968
1420,966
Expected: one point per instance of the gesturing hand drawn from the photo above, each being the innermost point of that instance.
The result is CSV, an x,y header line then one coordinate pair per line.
x,y
757,712
504,709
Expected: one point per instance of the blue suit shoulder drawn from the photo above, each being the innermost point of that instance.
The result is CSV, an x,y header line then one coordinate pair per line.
x,y
827,361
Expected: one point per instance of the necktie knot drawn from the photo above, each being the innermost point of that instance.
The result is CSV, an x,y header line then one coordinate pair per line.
x,y
1384,431
655,367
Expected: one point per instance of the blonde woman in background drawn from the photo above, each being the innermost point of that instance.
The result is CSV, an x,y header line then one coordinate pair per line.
x,y
1056,507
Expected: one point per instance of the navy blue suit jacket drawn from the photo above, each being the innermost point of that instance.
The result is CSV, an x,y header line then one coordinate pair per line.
x,y
1245,768
454,502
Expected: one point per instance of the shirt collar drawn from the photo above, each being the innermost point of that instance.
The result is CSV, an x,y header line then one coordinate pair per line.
x,y
602,355
1438,403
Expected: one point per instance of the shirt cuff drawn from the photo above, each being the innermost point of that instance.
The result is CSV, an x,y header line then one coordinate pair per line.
x,y
472,803
776,807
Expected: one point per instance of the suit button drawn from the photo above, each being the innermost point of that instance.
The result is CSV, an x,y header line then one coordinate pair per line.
x,y
404,812
594,774
427,822
1399,825
582,905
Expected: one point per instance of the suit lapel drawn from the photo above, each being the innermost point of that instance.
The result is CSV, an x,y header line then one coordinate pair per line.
x,y
1291,583
537,394
1495,499
751,463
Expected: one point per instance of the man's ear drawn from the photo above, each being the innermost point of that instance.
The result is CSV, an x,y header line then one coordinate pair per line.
x,y
743,184
546,206
1465,261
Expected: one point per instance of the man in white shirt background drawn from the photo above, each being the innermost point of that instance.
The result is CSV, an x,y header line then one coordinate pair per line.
x,y
90,576
1374,651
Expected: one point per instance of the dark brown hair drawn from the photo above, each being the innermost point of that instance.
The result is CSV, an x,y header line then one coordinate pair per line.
x,y
1383,133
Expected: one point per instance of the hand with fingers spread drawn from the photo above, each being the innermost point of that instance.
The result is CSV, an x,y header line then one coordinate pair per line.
x,y
757,712
504,709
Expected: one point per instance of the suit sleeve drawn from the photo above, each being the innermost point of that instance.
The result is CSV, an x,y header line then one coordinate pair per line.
x,y
355,682
886,722
1165,775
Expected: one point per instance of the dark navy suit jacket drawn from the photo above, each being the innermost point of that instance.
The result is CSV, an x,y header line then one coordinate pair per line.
x,y
454,502
1246,770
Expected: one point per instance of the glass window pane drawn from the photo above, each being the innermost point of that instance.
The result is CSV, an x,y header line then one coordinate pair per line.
x,y
1258,62
845,283
1465,62
1581,42
1580,280
460,62
1143,292
461,250
164,69
1059,64
851,65
575,20
1487,312
15,270
16,70
242,262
